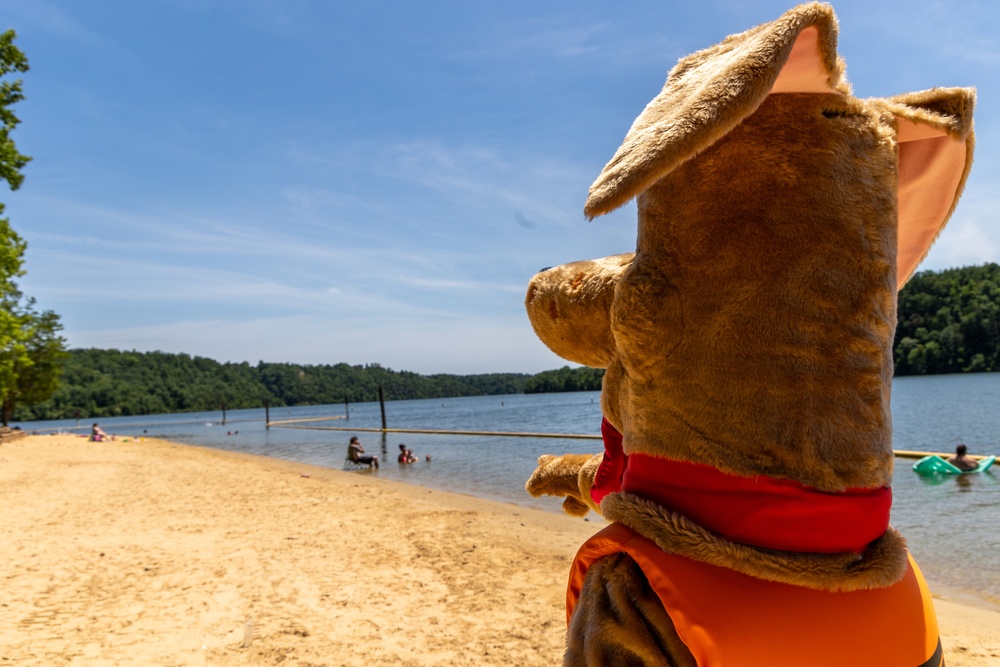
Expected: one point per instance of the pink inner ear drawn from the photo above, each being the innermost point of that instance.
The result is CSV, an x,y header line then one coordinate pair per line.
x,y
931,165
804,72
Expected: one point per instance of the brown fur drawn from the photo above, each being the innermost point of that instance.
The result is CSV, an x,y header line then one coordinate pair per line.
x,y
752,328
570,308
881,564
707,94
571,476
757,338
621,622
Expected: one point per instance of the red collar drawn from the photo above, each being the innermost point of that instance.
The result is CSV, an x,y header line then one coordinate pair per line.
x,y
758,511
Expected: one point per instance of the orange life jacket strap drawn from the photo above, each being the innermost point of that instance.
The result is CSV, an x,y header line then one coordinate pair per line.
x,y
727,618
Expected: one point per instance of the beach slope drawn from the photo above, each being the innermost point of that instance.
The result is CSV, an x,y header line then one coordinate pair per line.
x,y
154,553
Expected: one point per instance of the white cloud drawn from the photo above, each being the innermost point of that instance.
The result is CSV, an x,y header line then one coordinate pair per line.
x,y
972,236
538,39
423,346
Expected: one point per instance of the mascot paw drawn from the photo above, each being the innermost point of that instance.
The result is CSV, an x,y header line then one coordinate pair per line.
x,y
575,507
560,476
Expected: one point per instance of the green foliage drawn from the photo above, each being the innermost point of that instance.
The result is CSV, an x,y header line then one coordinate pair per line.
x,y
38,366
31,349
949,322
11,60
565,379
12,249
101,383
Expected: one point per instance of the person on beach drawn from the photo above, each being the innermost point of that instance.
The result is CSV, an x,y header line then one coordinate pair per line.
x,y
355,451
97,434
960,460
406,455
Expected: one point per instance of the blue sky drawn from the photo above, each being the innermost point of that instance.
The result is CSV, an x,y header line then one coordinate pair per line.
x,y
319,182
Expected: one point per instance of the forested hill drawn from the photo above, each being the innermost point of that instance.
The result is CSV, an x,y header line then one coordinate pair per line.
x,y
100,383
949,322
565,379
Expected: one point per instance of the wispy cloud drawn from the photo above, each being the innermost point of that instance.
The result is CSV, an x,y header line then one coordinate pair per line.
x,y
467,345
533,39
945,36
107,280
469,176
597,44
970,237
49,17
469,285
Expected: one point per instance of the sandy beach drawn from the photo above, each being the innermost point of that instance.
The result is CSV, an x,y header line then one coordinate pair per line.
x,y
155,553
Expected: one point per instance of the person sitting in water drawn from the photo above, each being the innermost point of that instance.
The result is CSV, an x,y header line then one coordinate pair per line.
x,y
406,455
97,435
961,461
355,451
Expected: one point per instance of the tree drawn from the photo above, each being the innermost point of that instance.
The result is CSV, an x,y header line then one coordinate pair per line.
x,y
11,60
38,364
31,349
949,322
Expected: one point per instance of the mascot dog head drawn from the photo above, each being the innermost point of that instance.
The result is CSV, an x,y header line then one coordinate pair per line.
x,y
748,340
751,331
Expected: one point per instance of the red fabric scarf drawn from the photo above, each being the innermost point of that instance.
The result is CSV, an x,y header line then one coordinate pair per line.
x,y
758,511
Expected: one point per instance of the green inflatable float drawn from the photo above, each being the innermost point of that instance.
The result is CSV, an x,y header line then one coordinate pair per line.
x,y
930,465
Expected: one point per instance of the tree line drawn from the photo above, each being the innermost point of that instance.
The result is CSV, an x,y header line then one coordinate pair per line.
x,y
949,322
109,383
565,379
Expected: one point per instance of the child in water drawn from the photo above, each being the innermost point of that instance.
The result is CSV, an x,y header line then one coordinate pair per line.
x,y
406,455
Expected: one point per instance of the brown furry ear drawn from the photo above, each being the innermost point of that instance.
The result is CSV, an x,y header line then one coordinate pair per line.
x,y
936,142
710,92
570,308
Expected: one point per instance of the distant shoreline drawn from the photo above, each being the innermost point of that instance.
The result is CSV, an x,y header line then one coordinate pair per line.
x,y
98,384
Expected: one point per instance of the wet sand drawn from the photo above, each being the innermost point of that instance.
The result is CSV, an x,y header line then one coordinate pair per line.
x,y
155,553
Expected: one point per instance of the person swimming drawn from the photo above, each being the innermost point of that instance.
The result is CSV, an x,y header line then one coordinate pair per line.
x,y
961,460
405,455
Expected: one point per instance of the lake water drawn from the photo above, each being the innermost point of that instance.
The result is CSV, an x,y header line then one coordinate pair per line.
x,y
951,523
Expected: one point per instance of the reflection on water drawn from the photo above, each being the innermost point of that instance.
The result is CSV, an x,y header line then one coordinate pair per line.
x,y
962,483
949,521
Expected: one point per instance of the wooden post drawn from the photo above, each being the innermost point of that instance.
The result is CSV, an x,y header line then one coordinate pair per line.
x,y
381,405
347,409
223,415
267,415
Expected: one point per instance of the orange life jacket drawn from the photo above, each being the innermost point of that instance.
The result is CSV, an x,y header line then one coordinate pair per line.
x,y
726,618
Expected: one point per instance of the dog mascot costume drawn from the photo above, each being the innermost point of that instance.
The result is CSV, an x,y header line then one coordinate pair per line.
x,y
748,348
